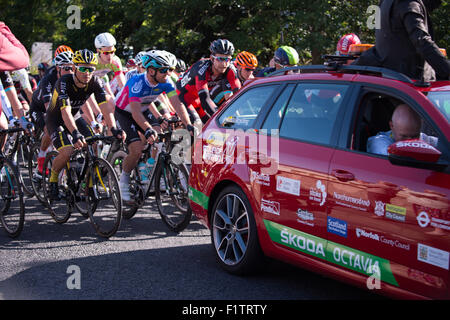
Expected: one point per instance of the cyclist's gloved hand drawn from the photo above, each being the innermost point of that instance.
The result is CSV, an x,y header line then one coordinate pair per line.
x,y
118,133
150,135
77,139
13,122
27,125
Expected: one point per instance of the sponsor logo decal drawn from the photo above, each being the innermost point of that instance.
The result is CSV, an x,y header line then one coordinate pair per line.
x,y
337,226
259,178
395,212
318,194
270,206
433,256
331,252
305,217
382,239
351,202
288,185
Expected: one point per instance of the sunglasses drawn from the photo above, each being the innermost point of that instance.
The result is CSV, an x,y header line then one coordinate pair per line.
x,y
86,69
108,52
222,59
165,70
249,69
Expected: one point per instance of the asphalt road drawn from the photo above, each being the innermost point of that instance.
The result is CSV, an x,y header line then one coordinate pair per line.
x,y
143,261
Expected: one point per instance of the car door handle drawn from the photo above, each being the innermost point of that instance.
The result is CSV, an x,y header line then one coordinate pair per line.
x,y
343,175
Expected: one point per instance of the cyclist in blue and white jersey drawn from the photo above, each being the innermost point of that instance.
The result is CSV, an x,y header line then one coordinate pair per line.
x,y
132,108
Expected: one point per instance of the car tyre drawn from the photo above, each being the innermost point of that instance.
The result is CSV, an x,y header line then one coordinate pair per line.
x,y
234,234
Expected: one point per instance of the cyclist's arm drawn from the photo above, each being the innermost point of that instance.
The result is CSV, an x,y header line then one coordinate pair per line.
x,y
180,109
154,110
69,121
137,115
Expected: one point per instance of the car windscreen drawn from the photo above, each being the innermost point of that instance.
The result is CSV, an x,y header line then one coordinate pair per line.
x,y
442,101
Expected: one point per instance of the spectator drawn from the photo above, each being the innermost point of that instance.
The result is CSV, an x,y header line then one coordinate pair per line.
x,y
404,42
13,54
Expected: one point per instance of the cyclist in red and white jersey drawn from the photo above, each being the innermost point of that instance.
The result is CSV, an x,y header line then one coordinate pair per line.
x,y
194,87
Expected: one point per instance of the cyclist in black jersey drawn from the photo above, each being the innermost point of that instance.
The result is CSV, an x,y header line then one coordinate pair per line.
x,y
69,95
41,99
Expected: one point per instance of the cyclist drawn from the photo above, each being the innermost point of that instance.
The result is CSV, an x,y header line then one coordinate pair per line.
x,y
41,99
285,56
132,109
69,95
194,87
245,64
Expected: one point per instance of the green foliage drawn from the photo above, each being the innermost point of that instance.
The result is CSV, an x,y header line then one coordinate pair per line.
x,y
187,27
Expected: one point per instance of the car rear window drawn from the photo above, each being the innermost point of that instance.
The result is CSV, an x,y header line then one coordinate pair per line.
x,y
442,101
312,112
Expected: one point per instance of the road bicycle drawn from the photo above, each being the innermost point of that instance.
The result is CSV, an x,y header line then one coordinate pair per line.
x,y
89,184
168,182
12,210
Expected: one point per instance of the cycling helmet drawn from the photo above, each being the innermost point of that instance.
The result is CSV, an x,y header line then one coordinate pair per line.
x,y
345,42
105,39
64,57
246,59
62,48
181,66
138,57
159,59
85,56
131,63
286,55
221,46
42,66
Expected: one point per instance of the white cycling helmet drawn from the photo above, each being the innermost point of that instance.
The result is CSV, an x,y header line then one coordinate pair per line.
x,y
64,58
105,39
139,56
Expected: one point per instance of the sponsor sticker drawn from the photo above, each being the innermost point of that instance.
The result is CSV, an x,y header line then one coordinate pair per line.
x,y
362,233
351,202
305,217
432,218
395,212
270,206
331,252
288,185
337,226
319,193
259,178
433,256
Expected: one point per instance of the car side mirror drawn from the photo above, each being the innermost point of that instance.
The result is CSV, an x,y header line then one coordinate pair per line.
x,y
415,153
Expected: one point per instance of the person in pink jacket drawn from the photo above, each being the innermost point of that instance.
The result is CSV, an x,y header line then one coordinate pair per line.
x,y
13,55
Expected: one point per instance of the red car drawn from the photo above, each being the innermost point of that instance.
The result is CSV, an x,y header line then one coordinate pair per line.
x,y
282,170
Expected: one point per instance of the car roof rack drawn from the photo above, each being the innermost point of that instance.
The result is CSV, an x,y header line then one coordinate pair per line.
x,y
336,63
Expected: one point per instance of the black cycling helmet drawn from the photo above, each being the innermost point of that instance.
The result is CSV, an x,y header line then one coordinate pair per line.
x,y
222,46
181,66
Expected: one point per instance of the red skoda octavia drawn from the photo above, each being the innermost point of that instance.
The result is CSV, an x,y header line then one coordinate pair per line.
x,y
286,170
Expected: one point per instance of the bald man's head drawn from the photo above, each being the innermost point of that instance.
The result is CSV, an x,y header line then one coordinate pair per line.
x,y
405,123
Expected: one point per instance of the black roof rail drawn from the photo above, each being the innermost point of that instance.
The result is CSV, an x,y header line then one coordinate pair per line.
x,y
367,70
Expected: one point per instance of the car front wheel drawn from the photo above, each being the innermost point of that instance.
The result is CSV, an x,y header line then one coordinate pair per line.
x,y
233,232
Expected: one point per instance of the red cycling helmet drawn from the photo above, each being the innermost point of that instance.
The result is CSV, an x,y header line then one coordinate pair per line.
x,y
345,42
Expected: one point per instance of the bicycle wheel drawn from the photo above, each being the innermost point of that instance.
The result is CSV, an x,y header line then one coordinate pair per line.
x,y
36,178
12,210
24,154
61,209
171,192
104,200
136,192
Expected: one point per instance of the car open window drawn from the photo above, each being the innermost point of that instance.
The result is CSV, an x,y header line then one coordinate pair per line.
x,y
312,112
242,113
